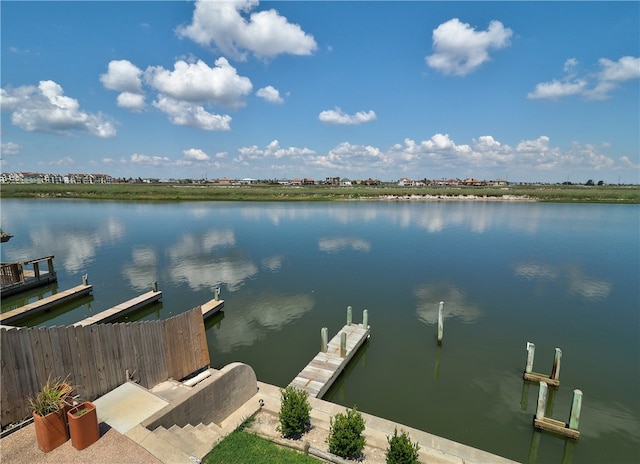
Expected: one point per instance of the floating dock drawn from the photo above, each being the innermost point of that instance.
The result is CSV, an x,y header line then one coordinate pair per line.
x,y
318,376
109,315
25,275
45,304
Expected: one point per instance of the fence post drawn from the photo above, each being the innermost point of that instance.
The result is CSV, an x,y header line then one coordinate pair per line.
x,y
440,323
343,344
324,337
349,315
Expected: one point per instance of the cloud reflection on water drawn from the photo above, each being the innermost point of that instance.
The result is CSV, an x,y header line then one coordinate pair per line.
x,y
193,260
337,244
143,271
572,277
268,312
455,303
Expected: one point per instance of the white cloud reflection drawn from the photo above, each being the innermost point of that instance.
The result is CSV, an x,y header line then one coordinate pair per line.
x,y
266,313
455,303
194,260
143,270
337,244
273,263
570,277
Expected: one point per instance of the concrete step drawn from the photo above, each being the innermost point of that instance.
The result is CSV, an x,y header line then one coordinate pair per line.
x,y
189,442
163,450
206,436
179,442
248,409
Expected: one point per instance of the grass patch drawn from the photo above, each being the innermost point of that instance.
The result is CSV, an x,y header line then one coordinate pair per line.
x,y
245,447
266,192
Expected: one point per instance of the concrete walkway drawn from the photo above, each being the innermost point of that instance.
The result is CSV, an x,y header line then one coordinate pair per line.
x,y
124,440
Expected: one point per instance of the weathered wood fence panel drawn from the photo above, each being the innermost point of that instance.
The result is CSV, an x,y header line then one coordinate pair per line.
x,y
96,358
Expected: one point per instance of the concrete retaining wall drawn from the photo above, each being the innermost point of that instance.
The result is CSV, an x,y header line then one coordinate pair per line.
x,y
212,400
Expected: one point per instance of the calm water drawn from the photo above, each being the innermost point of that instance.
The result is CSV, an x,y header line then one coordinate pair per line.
x,y
557,275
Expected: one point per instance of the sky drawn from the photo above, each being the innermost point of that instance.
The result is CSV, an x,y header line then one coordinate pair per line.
x,y
522,91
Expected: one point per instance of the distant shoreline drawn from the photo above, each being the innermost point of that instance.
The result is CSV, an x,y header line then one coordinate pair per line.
x,y
177,192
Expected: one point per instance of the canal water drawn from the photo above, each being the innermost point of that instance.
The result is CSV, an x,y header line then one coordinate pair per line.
x,y
557,275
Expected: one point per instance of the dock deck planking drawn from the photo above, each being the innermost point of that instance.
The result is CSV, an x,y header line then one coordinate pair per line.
x,y
44,304
211,307
122,309
318,376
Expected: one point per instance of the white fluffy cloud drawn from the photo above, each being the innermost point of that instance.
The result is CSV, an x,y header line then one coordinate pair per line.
x,y
149,160
126,78
183,113
460,49
337,116
199,83
45,108
270,94
195,154
602,83
235,32
9,148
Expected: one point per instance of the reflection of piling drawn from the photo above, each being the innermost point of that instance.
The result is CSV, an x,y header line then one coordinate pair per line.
x,y
540,420
440,323
552,380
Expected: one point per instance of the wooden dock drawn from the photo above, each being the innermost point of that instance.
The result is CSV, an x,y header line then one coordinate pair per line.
x,y
22,276
318,376
122,309
211,307
45,304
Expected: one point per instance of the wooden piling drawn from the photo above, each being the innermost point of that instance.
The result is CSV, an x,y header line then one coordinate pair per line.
x,y
349,315
324,337
531,352
440,323
576,405
343,344
216,293
555,370
154,286
552,425
552,380
365,318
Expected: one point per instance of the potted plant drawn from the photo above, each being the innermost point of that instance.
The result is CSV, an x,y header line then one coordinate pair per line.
x,y
49,409
83,425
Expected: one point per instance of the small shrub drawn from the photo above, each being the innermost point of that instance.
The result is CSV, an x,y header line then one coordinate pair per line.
x,y
294,412
401,450
345,434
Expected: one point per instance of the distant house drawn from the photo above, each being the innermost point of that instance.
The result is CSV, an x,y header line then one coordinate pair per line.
x,y
471,182
308,181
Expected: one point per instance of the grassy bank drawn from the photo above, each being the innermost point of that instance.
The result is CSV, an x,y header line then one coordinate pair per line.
x,y
264,192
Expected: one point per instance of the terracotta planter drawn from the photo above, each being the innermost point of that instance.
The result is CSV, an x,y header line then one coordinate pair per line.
x,y
83,425
51,430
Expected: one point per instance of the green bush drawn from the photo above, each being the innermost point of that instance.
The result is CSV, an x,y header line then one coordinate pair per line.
x,y
345,434
401,450
294,412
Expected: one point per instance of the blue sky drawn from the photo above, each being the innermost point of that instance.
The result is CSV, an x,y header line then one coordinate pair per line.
x,y
527,91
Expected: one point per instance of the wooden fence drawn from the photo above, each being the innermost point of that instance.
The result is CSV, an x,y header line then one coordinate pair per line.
x,y
96,358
